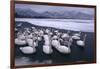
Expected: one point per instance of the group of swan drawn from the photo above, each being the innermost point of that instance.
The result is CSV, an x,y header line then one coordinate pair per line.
x,y
23,40
59,47
32,42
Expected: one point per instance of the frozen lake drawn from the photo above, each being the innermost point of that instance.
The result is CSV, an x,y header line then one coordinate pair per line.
x,y
67,24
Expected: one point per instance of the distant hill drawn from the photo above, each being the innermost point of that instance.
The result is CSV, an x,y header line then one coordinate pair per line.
x,y
28,13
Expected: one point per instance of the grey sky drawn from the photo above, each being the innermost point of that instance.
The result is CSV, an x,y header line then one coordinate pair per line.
x,y
43,8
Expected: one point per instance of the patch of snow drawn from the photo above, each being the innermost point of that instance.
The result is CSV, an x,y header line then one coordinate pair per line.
x,y
67,24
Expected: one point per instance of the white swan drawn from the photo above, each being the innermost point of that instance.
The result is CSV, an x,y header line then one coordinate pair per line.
x,y
47,31
22,37
39,38
60,48
16,29
56,31
55,43
66,35
35,44
55,37
76,36
46,39
41,33
20,42
33,28
51,33
28,50
81,42
58,34
30,36
64,49
47,49
30,42
19,25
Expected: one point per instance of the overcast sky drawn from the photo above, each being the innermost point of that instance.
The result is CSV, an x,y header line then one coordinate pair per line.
x,y
43,8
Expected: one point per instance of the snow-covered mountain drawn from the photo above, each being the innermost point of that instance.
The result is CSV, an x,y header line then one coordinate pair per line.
x,y
29,13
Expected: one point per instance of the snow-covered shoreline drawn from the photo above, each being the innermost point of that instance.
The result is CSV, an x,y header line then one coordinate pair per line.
x,y
67,24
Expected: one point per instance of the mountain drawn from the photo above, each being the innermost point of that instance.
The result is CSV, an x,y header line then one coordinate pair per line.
x,y
29,13
25,13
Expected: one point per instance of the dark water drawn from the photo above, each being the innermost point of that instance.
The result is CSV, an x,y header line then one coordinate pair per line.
x,y
77,54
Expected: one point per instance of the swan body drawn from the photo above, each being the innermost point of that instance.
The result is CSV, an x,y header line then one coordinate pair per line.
x,y
76,34
51,33
58,34
47,49
36,32
20,42
65,35
28,50
64,49
76,37
80,43
55,43
30,42
56,31
33,28
60,48
55,37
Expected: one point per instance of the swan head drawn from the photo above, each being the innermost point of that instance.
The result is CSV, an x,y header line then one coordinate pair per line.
x,y
47,31
39,38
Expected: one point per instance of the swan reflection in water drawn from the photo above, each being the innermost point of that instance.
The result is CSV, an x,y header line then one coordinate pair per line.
x,y
27,61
